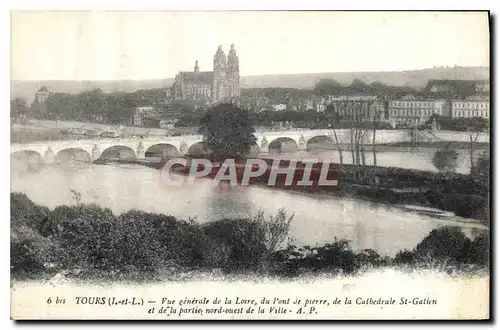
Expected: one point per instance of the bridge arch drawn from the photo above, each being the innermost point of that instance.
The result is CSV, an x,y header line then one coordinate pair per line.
x,y
73,156
162,149
254,150
320,142
26,157
118,151
197,149
283,144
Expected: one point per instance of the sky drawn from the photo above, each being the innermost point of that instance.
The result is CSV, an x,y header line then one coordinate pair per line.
x,y
118,45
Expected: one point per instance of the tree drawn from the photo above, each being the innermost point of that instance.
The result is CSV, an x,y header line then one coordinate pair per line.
x,y
357,112
92,104
328,87
117,111
481,170
476,126
333,118
445,160
376,122
18,107
227,131
446,244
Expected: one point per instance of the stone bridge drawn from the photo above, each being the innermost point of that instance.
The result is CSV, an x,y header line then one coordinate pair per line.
x,y
91,149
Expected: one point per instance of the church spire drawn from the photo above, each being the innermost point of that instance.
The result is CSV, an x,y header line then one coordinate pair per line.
x,y
233,62
219,61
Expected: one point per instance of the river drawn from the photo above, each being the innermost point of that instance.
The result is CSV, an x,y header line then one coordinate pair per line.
x,y
317,219
419,159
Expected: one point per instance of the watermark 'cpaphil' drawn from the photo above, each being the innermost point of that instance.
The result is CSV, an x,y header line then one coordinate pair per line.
x,y
307,172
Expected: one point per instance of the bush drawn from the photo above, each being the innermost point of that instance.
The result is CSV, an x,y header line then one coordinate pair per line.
x,y
24,212
441,244
87,241
478,251
369,257
481,169
251,242
445,160
333,257
448,246
405,257
134,241
93,239
30,253
62,216
244,241
170,238
132,244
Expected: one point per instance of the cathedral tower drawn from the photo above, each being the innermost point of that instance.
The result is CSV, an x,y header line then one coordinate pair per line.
x,y
233,73
219,86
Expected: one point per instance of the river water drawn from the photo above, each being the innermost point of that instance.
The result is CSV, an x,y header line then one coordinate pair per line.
x,y
317,219
419,159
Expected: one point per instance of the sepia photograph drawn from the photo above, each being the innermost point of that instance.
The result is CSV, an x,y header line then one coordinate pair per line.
x,y
250,165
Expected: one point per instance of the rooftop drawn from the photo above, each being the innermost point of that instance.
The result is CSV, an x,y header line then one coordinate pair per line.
x,y
477,98
454,83
204,77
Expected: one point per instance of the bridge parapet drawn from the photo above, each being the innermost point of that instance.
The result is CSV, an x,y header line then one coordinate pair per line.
x,y
95,147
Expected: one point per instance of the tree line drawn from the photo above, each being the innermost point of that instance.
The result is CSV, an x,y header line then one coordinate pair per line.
x,y
89,106
331,87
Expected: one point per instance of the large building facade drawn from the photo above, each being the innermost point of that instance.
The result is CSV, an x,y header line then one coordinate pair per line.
x,y
358,107
475,106
412,111
221,84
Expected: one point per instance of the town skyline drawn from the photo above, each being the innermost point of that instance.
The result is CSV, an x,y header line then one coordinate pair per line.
x,y
108,46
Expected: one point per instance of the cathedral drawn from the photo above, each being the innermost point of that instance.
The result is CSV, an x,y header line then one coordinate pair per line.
x,y
221,84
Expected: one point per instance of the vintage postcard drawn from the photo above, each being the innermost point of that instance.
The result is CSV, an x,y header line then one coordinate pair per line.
x,y
243,165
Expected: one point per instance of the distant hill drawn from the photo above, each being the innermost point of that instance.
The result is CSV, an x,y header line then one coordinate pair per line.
x,y
412,78
27,88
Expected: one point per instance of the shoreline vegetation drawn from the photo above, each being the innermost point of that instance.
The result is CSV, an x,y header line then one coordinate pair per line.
x,y
86,242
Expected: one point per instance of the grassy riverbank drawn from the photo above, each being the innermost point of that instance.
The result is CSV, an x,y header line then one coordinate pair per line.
x,y
88,241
